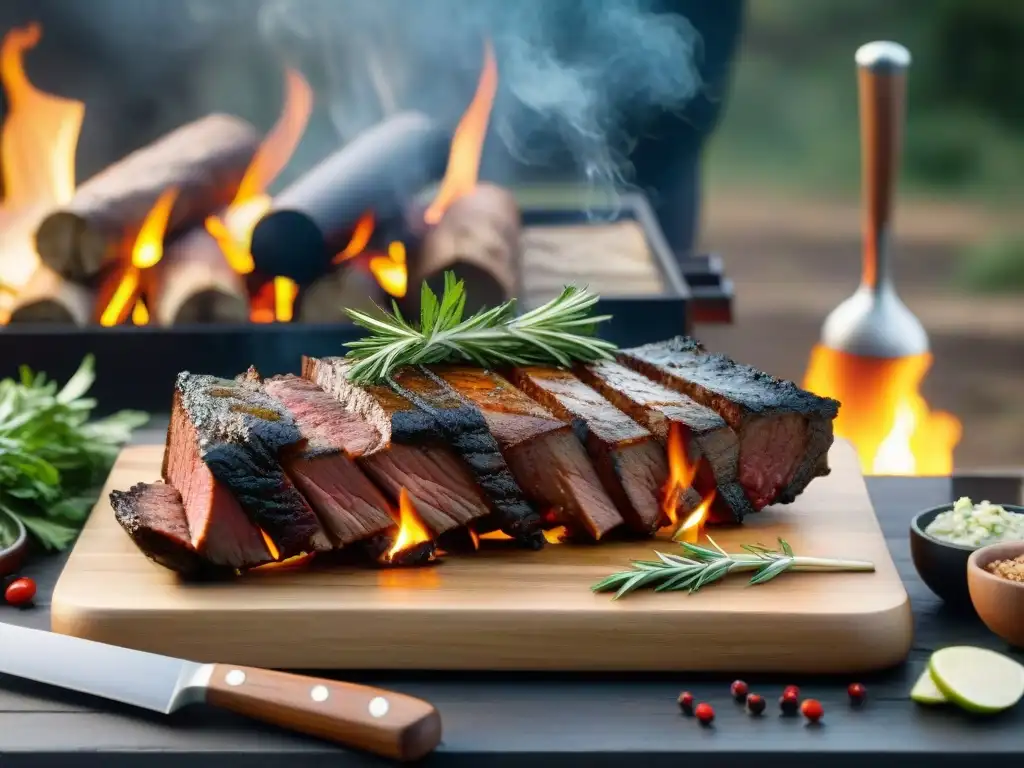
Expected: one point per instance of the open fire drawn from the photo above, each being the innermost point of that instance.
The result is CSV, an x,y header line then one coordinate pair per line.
x,y
414,542
682,473
89,254
884,414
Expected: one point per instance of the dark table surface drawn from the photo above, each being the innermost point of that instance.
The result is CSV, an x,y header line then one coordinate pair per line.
x,y
543,720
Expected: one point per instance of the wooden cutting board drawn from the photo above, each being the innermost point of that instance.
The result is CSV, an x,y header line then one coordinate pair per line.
x,y
505,609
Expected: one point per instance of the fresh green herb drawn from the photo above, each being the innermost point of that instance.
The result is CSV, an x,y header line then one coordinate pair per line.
x,y
52,458
557,333
702,566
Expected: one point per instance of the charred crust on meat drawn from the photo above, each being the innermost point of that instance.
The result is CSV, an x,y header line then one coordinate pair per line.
x,y
153,517
241,429
744,385
466,431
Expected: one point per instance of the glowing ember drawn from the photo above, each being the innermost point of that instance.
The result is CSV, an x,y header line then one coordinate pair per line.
x,y
884,414
692,526
360,238
38,140
295,561
391,271
474,537
411,530
467,142
233,233
555,535
262,303
140,313
149,244
681,471
494,536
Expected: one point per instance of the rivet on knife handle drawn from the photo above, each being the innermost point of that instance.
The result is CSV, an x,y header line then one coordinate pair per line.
x,y
383,722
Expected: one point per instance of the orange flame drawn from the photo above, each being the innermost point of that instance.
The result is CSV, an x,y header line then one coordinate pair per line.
x,y
40,134
140,313
884,414
467,142
233,233
294,561
123,297
473,536
390,271
146,252
555,535
38,140
271,546
681,472
411,530
149,243
692,526
285,293
360,238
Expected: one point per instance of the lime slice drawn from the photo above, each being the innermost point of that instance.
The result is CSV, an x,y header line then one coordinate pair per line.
x,y
977,679
925,691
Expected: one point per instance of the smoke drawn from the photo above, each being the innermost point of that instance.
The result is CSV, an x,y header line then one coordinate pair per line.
x,y
577,77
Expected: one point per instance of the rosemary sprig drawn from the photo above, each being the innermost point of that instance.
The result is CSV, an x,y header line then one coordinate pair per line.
x,y
557,333
702,566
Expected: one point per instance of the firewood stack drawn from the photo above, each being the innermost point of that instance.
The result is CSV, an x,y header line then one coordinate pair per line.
x,y
348,233
86,248
316,234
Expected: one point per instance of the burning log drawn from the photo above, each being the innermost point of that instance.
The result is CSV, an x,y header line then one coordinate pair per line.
x,y
193,283
478,240
349,286
49,298
380,171
205,161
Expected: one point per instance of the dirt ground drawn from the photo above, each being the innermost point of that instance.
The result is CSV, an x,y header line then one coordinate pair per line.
x,y
793,261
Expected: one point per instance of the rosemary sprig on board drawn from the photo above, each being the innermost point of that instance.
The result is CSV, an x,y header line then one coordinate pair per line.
x,y
701,566
557,333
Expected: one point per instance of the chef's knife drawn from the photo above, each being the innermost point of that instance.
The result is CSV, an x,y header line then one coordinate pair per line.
x,y
383,722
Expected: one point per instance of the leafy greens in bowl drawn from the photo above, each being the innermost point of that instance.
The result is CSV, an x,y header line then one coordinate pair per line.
x,y
53,459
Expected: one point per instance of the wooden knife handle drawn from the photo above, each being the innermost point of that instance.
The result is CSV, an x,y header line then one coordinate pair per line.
x,y
388,724
882,85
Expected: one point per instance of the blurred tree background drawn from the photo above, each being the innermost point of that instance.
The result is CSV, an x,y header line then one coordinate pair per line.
x,y
792,121
792,116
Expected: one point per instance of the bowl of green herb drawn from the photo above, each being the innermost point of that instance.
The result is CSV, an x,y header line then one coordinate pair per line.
x,y
13,544
53,456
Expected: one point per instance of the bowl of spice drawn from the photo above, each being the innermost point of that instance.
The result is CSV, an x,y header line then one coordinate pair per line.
x,y
995,576
942,539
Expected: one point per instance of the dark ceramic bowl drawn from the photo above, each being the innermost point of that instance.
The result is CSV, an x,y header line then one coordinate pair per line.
x,y
943,566
12,556
998,601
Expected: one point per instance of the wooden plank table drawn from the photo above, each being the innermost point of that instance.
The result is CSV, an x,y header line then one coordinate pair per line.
x,y
559,720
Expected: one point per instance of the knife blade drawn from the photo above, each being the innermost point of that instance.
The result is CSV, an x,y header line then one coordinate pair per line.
x,y
386,723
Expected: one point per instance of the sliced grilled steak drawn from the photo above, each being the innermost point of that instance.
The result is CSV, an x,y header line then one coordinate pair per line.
x,y
220,530
785,432
628,458
467,432
239,430
708,440
153,516
405,448
349,505
544,455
